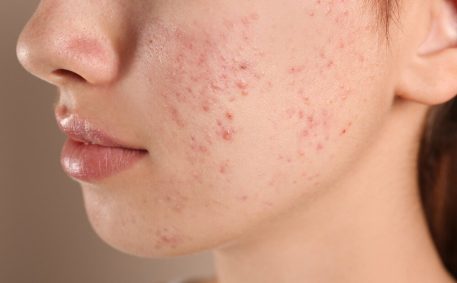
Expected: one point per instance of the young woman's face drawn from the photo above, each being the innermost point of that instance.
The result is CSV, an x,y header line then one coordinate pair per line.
x,y
246,108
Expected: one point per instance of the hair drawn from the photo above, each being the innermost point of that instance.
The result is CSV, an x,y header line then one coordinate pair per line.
x,y
437,162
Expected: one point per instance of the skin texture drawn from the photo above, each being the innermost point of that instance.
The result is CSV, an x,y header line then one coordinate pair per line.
x,y
278,132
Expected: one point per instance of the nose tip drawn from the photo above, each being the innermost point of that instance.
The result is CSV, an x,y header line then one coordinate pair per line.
x,y
67,54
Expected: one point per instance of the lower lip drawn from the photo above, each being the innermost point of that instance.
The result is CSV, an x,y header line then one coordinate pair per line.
x,y
89,162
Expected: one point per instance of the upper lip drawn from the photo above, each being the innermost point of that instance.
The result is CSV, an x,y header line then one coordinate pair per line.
x,y
83,131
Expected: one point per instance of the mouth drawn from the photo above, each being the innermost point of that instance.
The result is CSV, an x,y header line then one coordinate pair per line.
x,y
90,154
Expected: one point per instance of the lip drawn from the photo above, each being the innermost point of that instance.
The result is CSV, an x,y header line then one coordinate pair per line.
x,y
90,154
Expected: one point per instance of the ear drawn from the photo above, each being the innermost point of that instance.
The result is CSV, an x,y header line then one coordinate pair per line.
x,y
430,77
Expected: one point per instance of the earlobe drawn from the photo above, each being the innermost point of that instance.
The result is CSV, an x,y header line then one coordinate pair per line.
x,y
431,75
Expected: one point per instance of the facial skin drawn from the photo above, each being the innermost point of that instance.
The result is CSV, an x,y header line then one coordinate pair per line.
x,y
250,110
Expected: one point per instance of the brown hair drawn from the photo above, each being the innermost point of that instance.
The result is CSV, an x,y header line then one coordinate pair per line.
x,y
437,163
438,179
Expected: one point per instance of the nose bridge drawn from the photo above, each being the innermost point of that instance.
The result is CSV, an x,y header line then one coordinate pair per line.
x,y
65,41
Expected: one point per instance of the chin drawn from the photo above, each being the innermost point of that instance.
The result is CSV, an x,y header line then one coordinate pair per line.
x,y
126,231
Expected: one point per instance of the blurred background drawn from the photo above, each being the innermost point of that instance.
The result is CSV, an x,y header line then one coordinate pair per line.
x,y
44,233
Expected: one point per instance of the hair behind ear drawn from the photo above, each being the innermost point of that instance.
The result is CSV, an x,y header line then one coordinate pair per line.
x,y
438,180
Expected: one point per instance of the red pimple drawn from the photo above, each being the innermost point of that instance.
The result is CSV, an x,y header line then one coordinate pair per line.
x,y
242,84
227,134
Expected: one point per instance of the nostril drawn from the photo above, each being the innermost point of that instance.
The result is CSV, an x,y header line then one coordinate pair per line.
x,y
68,75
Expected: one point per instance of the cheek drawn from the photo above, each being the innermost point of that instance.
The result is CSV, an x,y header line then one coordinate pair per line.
x,y
208,74
225,105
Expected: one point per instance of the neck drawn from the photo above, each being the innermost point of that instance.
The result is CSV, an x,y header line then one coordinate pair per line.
x,y
369,227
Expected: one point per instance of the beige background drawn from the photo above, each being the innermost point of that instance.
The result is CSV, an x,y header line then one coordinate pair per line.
x,y
44,233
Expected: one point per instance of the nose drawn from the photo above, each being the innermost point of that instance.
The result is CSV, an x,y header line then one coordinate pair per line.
x,y
67,42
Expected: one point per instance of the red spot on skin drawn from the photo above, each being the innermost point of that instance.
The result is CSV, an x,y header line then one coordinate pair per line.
x,y
243,198
243,66
346,129
229,116
290,113
319,147
295,69
223,167
176,117
341,45
205,107
310,120
268,203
